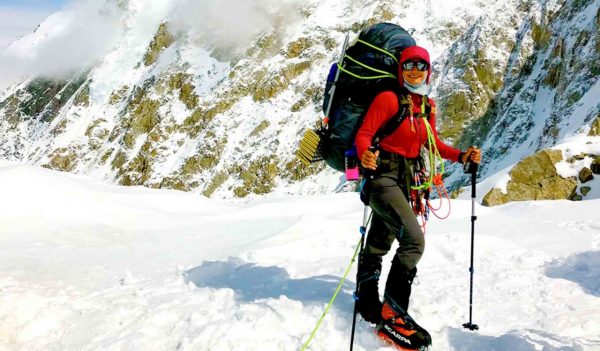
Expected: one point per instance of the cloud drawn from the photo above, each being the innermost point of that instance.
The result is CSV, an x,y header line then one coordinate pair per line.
x,y
67,41
17,22
233,24
79,36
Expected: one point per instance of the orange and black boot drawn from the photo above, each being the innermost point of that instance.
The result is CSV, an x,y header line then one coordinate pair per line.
x,y
400,330
397,326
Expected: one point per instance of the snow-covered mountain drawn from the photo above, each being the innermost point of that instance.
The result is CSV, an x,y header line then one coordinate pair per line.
x,y
213,98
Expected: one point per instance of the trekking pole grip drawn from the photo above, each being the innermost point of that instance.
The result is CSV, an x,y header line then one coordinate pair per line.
x,y
473,168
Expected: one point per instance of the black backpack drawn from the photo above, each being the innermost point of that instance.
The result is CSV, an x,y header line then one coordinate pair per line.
x,y
366,69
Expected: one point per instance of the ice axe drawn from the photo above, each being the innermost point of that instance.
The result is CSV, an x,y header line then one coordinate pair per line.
x,y
471,168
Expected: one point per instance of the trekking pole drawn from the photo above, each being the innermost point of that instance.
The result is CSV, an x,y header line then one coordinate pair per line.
x,y
471,167
363,232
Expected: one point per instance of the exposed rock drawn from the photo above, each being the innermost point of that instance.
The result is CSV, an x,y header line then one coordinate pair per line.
x,y
216,182
41,99
576,197
181,83
495,197
60,128
12,114
83,98
118,96
269,86
383,13
188,96
106,156
558,50
595,129
553,77
474,104
262,126
140,169
173,183
258,176
311,94
595,166
162,40
583,38
573,98
458,108
585,190
298,46
538,166
63,159
534,178
456,193
295,170
266,46
575,158
585,175
447,31
90,131
541,35
198,163
201,116
330,43
142,119
119,160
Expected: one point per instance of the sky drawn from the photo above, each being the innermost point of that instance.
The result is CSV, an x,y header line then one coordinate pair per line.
x,y
19,17
67,38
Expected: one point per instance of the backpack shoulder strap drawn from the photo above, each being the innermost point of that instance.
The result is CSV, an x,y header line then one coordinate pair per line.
x,y
426,108
393,123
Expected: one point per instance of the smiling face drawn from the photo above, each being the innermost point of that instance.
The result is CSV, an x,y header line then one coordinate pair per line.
x,y
414,76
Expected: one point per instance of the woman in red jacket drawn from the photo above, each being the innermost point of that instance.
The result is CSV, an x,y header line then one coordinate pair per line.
x,y
393,217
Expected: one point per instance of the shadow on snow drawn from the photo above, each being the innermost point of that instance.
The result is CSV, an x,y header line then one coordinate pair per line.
x,y
251,282
582,268
462,340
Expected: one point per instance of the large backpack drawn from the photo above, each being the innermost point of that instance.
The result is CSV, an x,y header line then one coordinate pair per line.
x,y
367,68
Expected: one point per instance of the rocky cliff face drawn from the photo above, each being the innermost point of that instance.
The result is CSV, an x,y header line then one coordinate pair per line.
x,y
169,107
547,88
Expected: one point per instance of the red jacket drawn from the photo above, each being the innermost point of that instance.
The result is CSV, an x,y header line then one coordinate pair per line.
x,y
403,140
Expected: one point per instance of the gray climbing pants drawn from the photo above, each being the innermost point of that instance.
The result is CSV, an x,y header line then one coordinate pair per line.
x,y
393,218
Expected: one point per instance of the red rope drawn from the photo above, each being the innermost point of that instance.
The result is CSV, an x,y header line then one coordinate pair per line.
x,y
442,194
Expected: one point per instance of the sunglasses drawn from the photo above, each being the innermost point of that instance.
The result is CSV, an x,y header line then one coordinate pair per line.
x,y
409,65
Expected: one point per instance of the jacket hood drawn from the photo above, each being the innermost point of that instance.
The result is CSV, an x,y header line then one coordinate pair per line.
x,y
411,53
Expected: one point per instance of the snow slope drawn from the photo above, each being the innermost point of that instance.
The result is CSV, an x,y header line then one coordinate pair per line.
x,y
90,266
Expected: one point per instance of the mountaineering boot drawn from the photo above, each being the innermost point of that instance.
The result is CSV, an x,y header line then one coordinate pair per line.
x,y
399,284
397,327
367,278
